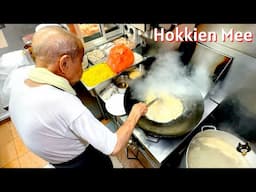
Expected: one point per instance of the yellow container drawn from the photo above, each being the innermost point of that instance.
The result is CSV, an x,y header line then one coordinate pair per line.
x,y
97,74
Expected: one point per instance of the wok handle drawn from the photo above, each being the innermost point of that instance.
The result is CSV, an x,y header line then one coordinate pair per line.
x,y
208,126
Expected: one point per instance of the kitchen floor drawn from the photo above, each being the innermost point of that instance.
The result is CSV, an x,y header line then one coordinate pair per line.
x,y
14,154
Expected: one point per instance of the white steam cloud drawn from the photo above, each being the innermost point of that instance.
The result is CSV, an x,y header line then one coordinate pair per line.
x,y
170,75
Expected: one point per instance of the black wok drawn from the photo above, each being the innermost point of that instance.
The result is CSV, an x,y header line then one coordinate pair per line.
x,y
192,114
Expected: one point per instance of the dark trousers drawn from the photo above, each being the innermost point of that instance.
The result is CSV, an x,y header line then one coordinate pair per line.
x,y
91,158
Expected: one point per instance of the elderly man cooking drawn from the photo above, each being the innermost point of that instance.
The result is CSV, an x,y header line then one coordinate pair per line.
x,y
50,118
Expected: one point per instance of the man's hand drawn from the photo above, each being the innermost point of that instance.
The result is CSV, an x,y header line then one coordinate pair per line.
x,y
139,109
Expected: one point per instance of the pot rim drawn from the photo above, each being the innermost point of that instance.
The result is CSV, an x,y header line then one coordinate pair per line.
x,y
250,156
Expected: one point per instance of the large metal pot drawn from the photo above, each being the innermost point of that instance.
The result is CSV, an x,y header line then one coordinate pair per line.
x,y
192,114
214,148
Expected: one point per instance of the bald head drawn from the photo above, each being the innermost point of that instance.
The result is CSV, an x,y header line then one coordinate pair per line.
x,y
50,43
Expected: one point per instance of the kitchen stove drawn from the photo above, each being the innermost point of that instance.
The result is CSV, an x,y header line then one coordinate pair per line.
x,y
159,152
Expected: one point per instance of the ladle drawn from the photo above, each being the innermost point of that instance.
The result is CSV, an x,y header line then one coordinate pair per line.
x,y
153,101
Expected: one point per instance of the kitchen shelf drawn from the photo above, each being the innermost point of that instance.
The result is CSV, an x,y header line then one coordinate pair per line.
x,y
137,59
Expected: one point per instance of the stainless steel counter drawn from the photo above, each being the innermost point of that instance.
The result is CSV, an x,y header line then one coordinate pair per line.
x,y
160,150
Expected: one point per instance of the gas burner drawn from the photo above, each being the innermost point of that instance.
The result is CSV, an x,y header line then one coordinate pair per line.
x,y
149,136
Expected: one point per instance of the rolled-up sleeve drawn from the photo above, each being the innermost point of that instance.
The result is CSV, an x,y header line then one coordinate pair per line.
x,y
90,129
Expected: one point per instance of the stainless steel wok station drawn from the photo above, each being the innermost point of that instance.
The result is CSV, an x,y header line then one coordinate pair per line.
x,y
157,145
226,104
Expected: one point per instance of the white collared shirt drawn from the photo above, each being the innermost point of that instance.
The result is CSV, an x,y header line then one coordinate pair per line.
x,y
55,124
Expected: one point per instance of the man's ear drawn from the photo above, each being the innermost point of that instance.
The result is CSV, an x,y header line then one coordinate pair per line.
x,y
64,63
